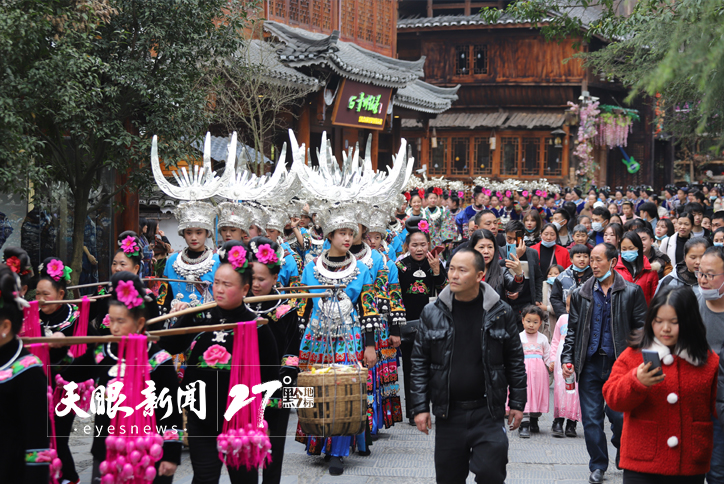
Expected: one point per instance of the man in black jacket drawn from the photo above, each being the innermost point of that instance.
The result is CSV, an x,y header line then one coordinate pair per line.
x,y
466,359
604,311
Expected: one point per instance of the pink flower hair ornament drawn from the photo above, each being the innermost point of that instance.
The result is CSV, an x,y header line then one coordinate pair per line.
x,y
130,246
57,270
461,194
423,226
266,255
237,258
127,293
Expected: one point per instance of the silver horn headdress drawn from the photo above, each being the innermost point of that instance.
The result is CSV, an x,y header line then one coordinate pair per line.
x,y
195,187
341,195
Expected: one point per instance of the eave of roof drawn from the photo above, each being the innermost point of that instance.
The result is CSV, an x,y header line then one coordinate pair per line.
x,y
426,98
304,48
502,120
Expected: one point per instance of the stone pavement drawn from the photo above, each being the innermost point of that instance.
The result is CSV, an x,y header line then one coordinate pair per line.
x,y
402,455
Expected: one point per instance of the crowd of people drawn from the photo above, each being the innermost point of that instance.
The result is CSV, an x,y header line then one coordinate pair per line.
x,y
528,289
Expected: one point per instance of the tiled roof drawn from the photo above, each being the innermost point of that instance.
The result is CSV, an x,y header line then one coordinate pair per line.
x,y
304,48
427,98
220,147
260,53
418,22
586,15
491,120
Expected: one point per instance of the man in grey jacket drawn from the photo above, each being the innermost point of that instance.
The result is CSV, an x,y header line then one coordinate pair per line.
x,y
604,311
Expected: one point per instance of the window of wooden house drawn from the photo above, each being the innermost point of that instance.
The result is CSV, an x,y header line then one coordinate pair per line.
x,y
438,157
552,158
483,162
480,59
460,153
462,60
509,156
531,155
294,11
304,12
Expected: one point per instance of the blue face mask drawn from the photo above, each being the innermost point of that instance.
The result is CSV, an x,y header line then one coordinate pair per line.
x,y
578,269
660,238
719,244
530,231
630,255
605,276
551,280
548,244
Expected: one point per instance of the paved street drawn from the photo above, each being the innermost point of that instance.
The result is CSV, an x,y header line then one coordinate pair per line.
x,y
403,455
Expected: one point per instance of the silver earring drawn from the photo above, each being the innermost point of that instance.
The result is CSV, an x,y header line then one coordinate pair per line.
x,y
3,335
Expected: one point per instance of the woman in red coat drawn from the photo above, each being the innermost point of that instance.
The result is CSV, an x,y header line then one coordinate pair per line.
x,y
667,427
635,267
549,252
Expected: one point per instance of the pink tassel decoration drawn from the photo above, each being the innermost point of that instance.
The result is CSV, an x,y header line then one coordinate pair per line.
x,y
41,351
244,440
31,321
81,327
130,457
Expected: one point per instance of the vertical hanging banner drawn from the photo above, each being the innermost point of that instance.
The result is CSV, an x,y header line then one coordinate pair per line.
x,y
360,105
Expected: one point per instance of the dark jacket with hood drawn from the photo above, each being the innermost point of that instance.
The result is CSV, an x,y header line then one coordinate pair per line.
x,y
628,312
680,276
503,357
567,282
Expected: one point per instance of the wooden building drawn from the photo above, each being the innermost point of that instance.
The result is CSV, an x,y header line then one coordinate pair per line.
x,y
365,93
510,117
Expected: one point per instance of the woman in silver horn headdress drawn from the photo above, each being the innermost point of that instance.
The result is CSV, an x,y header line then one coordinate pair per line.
x,y
341,330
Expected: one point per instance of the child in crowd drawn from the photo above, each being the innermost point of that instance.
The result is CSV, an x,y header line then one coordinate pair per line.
x,y
718,237
565,404
553,272
580,236
662,231
706,222
537,355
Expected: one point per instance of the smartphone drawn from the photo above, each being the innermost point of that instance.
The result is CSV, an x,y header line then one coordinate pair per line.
x,y
653,357
509,251
518,238
437,250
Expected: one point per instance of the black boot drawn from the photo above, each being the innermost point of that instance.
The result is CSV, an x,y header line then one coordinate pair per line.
x,y
336,466
557,428
534,429
524,430
571,429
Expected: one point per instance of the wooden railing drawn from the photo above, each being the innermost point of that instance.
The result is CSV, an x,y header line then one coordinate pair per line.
x,y
371,24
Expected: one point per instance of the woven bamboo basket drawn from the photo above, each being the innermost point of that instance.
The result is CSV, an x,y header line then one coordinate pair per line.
x,y
340,403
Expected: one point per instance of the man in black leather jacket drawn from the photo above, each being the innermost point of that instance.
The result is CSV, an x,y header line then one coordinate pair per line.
x,y
604,311
466,359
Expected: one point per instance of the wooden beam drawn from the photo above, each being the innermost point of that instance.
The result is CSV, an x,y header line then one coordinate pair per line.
x,y
375,147
565,159
304,124
429,8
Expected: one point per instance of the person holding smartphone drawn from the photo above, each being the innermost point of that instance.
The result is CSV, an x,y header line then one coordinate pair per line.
x,y
421,277
665,384
532,290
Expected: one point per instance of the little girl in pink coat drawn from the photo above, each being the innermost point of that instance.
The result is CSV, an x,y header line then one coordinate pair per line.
x,y
565,404
537,357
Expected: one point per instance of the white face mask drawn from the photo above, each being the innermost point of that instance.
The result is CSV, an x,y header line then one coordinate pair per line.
x,y
557,225
711,294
